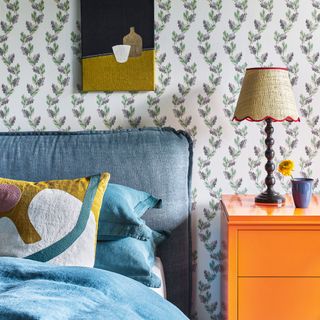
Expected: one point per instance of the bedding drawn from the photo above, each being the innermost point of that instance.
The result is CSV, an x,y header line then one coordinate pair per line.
x,y
34,290
131,257
121,213
53,221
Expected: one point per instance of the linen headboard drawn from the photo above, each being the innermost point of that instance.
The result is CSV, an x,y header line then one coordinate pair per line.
x,y
155,160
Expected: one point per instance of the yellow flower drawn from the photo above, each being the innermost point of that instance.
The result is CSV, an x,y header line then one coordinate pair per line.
x,y
286,167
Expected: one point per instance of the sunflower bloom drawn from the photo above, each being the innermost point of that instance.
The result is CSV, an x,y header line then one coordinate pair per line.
x,y
286,167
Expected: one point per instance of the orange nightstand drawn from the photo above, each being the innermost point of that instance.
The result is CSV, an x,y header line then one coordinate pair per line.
x,y
272,269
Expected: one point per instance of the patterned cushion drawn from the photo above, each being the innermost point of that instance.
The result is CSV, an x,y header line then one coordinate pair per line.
x,y
54,221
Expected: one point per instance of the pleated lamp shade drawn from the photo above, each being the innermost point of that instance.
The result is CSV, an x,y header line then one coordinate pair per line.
x,y
266,93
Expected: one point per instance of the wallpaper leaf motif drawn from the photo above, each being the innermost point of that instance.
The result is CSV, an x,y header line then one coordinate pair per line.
x,y
205,162
281,46
260,26
189,67
8,59
287,58
104,110
229,101
38,67
77,100
64,69
79,112
311,89
129,110
255,46
164,67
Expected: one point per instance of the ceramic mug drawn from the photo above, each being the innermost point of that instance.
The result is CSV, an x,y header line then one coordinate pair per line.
x,y
302,192
121,52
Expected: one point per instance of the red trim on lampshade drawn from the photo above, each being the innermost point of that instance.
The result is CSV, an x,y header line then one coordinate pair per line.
x,y
289,119
268,68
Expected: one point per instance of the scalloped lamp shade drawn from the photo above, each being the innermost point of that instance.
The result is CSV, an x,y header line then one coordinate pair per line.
x,y
266,93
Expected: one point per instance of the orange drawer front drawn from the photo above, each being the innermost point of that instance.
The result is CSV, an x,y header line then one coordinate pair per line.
x,y
279,299
279,253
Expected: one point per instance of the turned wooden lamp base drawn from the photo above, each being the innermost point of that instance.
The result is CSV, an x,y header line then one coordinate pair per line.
x,y
270,196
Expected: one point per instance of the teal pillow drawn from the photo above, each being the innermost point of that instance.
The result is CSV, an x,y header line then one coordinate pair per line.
x,y
121,212
131,257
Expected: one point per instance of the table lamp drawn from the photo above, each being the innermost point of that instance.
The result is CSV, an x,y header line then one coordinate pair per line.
x,y
266,94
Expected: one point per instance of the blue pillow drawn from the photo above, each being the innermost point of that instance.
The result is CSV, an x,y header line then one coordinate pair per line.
x,y
131,257
121,212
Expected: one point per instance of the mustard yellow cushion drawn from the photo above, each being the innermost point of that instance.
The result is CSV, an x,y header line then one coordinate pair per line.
x,y
54,221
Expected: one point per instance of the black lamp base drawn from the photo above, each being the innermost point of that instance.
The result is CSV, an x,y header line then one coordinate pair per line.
x,y
270,198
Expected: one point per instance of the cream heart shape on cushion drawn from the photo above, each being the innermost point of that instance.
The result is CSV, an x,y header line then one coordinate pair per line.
x,y
54,214
10,196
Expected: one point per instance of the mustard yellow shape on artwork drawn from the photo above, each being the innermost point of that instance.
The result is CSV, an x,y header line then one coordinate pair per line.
x,y
104,73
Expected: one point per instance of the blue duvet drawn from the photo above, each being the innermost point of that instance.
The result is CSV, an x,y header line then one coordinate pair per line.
x,y
33,290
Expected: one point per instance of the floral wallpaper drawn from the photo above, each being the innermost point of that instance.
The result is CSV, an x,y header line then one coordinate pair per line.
x,y
203,48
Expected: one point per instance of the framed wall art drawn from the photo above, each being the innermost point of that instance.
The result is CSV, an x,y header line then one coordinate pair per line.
x,y
118,45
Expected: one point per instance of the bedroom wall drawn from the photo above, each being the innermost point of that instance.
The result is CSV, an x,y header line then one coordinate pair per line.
x,y
203,48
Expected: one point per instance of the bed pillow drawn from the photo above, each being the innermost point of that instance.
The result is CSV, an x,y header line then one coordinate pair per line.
x,y
121,213
131,257
53,221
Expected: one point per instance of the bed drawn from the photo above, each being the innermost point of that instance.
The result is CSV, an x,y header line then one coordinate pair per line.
x,y
156,160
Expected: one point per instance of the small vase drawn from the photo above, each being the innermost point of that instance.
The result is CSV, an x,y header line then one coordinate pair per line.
x,y
135,41
302,191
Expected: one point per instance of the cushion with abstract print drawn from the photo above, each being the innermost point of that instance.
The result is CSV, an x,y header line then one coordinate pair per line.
x,y
51,221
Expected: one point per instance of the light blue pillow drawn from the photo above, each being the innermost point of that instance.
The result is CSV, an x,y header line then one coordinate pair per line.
x,y
121,213
131,257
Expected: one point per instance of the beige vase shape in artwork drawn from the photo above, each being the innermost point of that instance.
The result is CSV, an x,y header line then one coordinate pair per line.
x,y
135,41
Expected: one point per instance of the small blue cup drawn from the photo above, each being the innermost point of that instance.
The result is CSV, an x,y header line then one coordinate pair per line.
x,y
302,191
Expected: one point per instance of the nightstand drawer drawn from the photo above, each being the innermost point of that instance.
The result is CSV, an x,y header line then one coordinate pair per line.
x,y
279,253
279,299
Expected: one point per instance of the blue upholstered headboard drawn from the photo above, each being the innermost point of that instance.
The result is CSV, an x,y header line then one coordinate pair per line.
x,y
158,161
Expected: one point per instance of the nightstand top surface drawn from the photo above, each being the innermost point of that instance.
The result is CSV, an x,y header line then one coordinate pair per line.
x,y
243,209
